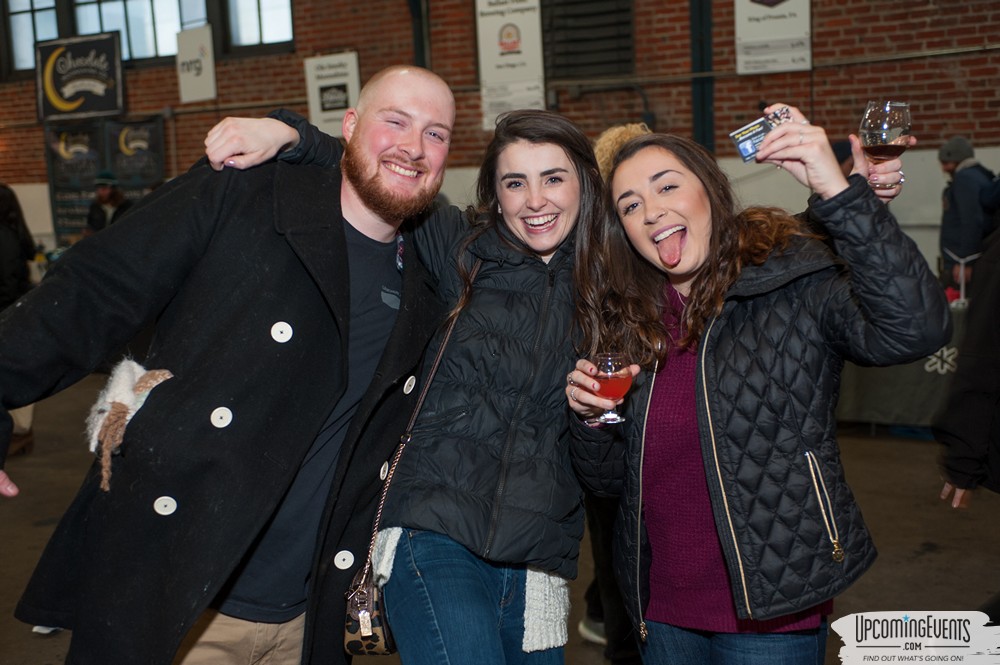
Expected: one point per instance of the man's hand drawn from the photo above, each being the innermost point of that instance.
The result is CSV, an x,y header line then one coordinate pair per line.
x,y
7,486
958,276
245,142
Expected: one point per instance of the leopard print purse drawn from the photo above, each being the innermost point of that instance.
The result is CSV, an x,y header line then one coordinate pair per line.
x,y
366,627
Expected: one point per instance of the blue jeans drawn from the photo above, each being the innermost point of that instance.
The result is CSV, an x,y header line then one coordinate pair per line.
x,y
671,645
447,606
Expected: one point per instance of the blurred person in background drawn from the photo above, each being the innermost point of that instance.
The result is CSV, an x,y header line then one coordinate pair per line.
x,y
964,221
17,249
109,203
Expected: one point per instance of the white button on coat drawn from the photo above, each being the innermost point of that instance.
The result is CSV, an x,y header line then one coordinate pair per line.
x,y
343,560
408,386
221,417
281,332
165,505
384,471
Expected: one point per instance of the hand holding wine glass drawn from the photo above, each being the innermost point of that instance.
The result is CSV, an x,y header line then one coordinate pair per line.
x,y
885,132
614,378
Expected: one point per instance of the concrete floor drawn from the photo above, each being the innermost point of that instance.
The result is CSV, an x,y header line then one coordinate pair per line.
x,y
931,557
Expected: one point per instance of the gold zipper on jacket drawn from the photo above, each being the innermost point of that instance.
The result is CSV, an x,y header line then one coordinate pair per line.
x,y
718,471
643,631
825,507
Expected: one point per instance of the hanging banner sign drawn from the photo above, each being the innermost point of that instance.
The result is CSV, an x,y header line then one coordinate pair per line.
x,y
773,36
135,152
196,65
80,77
333,85
76,152
511,63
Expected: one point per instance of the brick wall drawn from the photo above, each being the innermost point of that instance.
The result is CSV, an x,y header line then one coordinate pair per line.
x,y
941,55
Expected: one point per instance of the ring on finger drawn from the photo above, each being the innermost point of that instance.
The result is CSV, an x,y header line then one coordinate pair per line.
x,y
902,178
572,395
569,379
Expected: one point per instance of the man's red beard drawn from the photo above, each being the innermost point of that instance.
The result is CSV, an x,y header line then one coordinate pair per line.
x,y
387,205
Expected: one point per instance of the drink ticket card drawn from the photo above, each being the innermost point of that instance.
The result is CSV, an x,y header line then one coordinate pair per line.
x,y
748,137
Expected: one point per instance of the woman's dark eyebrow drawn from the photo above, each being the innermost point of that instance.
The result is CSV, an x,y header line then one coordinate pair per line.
x,y
624,194
558,169
652,178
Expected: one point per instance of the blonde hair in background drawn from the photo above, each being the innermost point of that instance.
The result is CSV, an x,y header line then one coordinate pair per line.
x,y
612,138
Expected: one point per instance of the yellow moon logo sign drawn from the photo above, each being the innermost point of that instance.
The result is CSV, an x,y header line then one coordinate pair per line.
x,y
123,143
50,89
63,149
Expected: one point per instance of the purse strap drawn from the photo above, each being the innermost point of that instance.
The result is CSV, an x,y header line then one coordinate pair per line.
x,y
408,434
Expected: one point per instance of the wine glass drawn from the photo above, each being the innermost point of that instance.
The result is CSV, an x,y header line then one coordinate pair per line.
x,y
885,132
614,378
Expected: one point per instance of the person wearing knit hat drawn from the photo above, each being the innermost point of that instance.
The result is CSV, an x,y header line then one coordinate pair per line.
x,y
106,178
957,149
964,222
109,203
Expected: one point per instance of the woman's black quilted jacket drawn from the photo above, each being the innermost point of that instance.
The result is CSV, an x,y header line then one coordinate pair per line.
x,y
768,376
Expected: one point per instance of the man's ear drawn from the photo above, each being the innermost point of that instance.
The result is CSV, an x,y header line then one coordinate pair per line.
x,y
349,123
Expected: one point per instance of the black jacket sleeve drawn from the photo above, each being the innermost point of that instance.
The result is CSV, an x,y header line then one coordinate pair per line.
x,y
886,307
315,146
102,291
598,456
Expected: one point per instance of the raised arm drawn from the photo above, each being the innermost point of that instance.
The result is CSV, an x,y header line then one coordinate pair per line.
x,y
244,142
886,307
804,150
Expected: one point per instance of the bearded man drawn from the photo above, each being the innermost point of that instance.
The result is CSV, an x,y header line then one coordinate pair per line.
x,y
240,467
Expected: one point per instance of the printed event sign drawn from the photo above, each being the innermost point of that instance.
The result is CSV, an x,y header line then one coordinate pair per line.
x,y
333,84
773,36
918,637
511,71
196,65
79,77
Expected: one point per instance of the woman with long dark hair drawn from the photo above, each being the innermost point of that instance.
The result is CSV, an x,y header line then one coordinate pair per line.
x,y
736,526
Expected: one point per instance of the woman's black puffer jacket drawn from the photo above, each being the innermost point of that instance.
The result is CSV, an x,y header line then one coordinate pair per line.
x,y
488,464
768,377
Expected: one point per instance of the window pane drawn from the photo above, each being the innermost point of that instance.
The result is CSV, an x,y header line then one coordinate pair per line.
x,y
276,19
19,5
140,23
193,13
243,22
46,26
112,19
44,4
24,41
167,23
88,21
